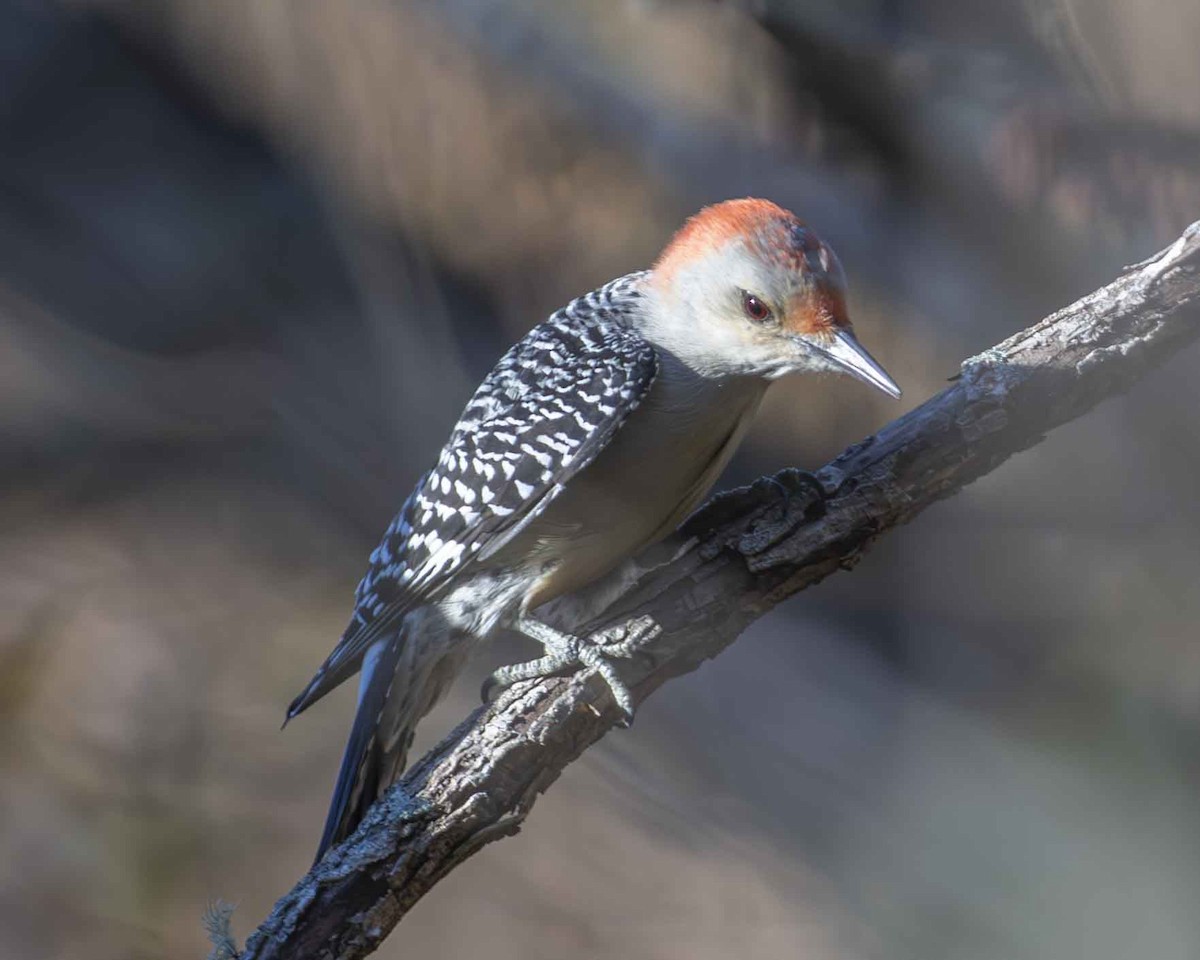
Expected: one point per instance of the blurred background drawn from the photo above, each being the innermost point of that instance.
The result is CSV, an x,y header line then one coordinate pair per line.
x,y
254,256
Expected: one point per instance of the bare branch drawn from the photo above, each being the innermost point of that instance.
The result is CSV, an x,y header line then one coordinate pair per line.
x,y
758,548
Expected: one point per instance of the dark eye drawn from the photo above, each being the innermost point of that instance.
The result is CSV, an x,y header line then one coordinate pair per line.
x,y
755,309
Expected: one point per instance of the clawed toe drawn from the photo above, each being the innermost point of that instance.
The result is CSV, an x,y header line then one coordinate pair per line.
x,y
565,652
505,677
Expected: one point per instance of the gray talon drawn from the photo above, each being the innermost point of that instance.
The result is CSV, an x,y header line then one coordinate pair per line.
x,y
505,677
565,652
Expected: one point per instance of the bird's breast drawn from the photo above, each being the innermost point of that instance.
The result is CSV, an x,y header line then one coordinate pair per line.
x,y
657,468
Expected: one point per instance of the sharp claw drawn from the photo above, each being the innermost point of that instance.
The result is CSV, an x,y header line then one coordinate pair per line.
x,y
505,677
616,686
625,703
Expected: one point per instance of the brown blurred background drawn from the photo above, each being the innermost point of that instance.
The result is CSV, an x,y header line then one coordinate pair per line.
x,y
254,255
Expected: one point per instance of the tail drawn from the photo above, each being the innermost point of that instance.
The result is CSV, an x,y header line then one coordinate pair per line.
x,y
402,679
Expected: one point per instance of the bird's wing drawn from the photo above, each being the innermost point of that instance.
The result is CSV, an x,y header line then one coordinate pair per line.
x,y
551,404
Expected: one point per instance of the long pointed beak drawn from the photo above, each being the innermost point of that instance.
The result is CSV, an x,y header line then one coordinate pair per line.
x,y
852,357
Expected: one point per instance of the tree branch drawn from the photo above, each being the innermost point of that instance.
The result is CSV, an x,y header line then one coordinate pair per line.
x,y
747,551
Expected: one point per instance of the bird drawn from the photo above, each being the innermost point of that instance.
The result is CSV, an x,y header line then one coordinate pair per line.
x,y
593,438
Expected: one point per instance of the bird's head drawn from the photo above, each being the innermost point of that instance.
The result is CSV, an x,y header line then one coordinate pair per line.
x,y
745,288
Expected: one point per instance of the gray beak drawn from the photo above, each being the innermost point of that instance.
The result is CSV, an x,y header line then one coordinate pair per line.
x,y
848,354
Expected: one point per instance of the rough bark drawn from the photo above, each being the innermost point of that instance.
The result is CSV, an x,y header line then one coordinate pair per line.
x,y
746,552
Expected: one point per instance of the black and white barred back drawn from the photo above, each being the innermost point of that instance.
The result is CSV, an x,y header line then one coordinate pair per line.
x,y
545,411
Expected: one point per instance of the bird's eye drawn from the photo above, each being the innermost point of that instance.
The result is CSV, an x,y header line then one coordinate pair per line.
x,y
755,309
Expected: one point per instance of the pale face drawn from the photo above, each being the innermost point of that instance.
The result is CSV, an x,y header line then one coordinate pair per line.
x,y
728,310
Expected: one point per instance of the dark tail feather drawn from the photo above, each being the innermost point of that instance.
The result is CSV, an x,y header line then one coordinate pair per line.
x,y
361,777
343,663
403,676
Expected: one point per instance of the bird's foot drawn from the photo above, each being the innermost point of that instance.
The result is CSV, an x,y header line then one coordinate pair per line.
x,y
566,652
789,488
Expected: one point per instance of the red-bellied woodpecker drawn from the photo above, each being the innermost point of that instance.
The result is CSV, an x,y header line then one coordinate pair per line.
x,y
592,438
